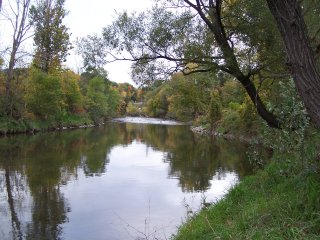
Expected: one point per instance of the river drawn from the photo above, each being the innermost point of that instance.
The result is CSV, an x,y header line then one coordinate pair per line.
x,y
124,180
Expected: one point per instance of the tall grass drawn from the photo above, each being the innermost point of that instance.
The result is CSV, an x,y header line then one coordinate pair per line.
x,y
268,205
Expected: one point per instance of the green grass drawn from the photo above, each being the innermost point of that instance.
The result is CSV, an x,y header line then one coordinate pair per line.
x,y
269,205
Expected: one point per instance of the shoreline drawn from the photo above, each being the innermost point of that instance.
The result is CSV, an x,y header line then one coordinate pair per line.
x,y
32,131
228,136
195,129
49,126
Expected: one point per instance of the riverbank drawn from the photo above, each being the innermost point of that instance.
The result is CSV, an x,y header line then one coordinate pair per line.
x,y
27,126
281,201
10,126
268,205
228,136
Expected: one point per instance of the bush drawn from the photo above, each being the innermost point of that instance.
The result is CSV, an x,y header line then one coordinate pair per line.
x,y
71,91
133,110
44,95
230,121
101,99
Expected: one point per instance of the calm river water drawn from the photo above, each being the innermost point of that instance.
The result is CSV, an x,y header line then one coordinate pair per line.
x,y
119,181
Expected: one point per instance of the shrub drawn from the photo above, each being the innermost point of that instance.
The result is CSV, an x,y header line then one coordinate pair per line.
x,y
133,110
44,95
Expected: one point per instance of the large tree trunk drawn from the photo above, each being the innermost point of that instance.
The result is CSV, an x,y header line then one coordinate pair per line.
x,y
251,90
301,60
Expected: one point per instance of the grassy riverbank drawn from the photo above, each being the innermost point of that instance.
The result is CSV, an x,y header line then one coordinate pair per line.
x,y
280,202
12,126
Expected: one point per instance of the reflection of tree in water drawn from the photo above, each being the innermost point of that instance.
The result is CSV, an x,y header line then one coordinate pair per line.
x,y
193,164
38,165
190,161
13,185
45,161
98,144
12,182
193,160
49,163
49,213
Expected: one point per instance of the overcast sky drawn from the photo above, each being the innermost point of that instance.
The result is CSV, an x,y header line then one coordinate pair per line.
x,y
89,17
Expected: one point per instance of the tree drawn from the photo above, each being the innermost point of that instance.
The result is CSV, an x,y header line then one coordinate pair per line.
x,y
102,101
44,95
213,35
18,17
90,49
71,91
190,96
51,37
205,33
300,56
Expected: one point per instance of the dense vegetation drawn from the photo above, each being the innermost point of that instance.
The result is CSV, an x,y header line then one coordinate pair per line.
x,y
199,62
231,76
44,94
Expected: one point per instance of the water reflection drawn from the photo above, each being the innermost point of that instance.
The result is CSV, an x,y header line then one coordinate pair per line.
x,y
94,183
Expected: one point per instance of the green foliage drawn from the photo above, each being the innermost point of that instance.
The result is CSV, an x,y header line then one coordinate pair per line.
x,y
127,92
133,110
289,143
182,97
189,98
72,94
44,95
239,46
113,101
101,100
237,113
86,76
289,108
51,36
280,202
1,62
257,31
50,101
311,11
250,120
264,206
91,49
219,104
97,104
157,101
231,93
230,121
10,125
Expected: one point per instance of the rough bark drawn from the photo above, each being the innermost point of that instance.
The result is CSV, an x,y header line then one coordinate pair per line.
x,y
300,57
